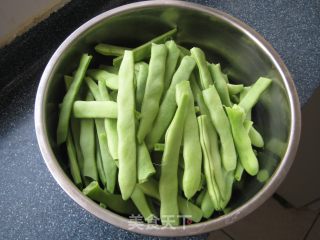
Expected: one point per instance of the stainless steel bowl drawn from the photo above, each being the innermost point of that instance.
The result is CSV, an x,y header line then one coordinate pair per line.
x,y
243,53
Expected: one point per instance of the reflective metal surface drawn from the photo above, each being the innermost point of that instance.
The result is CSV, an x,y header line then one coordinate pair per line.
x,y
242,52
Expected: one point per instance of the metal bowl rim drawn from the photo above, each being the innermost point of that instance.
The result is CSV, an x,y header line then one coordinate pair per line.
x,y
210,225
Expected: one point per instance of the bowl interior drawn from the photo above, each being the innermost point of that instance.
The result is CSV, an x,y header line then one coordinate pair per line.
x,y
240,56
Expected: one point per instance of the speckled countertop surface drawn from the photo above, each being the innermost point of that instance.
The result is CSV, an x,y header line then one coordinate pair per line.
x,y
32,205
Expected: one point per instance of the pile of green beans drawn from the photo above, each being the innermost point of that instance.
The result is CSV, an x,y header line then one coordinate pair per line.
x,y
161,132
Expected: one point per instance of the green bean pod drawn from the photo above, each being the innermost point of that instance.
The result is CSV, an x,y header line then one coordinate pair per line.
x,y
112,201
200,58
153,90
139,199
186,208
110,124
143,52
197,93
87,144
222,125
126,127
95,109
211,157
251,98
69,98
145,166
109,50
168,105
171,63
192,154
207,206
109,166
234,89
73,164
242,141
100,170
111,80
141,78
168,184
94,89
220,83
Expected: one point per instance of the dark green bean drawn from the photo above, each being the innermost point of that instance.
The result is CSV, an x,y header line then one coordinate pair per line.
x,y
142,52
100,170
69,98
153,91
126,127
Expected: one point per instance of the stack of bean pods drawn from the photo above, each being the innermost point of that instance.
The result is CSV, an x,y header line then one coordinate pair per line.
x,y
161,133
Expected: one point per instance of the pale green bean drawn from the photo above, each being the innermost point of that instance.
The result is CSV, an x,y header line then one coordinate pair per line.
x,y
95,109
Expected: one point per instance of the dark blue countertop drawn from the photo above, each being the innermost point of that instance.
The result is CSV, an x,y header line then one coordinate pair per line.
x,y
32,205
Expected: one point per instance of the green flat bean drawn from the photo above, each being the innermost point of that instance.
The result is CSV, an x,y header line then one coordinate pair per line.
x,y
168,105
220,83
204,72
242,141
112,201
186,208
74,167
141,78
168,184
67,81
207,206
189,210
139,199
142,52
211,157
75,132
144,163
171,63
108,164
109,50
110,79
222,125
192,154
95,109
87,144
110,69
67,103
200,197
126,127
197,93
100,170
234,89
251,98
159,147
229,180
153,91
256,138
110,124
239,171
94,89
